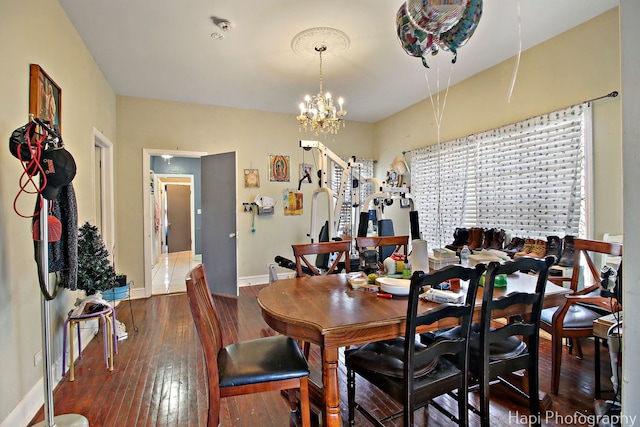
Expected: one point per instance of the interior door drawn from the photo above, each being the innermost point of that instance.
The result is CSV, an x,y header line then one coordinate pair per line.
x,y
219,246
178,218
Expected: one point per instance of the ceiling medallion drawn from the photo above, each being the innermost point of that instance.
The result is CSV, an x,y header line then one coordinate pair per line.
x,y
305,42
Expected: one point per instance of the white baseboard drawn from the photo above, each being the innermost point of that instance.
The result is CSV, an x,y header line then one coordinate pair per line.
x,y
137,293
24,412
262,279
31,403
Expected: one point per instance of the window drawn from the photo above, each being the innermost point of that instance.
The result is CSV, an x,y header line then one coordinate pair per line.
x,y
362,168
528,178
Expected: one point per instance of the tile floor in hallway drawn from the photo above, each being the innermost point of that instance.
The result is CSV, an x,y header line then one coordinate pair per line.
x,y
169,272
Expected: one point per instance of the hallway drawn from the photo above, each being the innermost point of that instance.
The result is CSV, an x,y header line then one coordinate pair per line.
x,y
169,272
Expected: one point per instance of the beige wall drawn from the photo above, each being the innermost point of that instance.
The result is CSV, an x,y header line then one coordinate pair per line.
x,y
35,31
144,123
578,65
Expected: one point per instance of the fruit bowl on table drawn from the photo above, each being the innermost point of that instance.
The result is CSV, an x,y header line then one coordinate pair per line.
x,y
357,280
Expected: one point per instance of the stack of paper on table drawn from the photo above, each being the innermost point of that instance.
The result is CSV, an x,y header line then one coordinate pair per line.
x,y
443,253
486,256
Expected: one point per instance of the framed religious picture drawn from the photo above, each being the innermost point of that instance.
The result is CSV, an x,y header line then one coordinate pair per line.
x,y
45,98
251,178
279,168
306,173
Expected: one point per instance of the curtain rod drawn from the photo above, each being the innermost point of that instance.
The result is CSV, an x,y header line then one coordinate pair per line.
x,y
609,95
613,94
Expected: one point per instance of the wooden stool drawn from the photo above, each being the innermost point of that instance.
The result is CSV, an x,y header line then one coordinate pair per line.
x,y
109,337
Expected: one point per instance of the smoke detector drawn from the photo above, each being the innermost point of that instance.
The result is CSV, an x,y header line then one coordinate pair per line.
x,y
225,26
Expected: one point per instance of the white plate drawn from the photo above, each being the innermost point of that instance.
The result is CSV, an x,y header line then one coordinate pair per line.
x,y
394,286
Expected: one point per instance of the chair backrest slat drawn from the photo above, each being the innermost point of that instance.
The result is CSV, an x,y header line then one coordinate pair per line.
x,y
300,251
584,248
490,306
522,330
462,312
209,332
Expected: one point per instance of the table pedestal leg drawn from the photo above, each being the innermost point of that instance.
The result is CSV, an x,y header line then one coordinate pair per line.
x,y
331,387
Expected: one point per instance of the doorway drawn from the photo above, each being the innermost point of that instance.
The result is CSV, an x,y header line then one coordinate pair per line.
x,y
152,217
173,237
175,225
177,236
219,204
104,212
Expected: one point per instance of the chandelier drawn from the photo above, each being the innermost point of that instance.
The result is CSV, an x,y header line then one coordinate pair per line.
x,y
318,113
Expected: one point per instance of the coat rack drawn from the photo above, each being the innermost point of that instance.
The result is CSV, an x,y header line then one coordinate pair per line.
x,y
50,420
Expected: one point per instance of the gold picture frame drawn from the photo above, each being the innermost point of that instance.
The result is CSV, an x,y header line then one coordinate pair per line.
x,y
251,178
45,97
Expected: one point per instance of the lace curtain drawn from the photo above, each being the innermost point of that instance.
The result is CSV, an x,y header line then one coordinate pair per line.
x,y
528,178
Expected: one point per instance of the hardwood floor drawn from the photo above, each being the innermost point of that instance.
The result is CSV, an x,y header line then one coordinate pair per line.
x,y
159,376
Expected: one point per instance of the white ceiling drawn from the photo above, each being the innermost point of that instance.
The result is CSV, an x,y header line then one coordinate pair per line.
x,y
163,49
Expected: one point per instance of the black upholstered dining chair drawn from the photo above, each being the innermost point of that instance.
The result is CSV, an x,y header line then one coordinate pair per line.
x,y
263,364
499,349
496,349
413,373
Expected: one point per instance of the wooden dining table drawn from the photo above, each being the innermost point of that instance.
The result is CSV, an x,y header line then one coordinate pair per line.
x,y
327,311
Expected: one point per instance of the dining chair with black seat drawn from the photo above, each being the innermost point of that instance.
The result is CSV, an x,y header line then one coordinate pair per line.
x,y
413,373
514,346
574,319
301,251
264,364
497,349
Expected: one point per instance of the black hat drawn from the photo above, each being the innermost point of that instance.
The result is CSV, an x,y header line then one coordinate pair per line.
x,y
59,167
18,144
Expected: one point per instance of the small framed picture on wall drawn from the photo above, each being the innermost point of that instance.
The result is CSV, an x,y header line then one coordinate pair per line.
x,y
279,166
45,98
306,173
251,178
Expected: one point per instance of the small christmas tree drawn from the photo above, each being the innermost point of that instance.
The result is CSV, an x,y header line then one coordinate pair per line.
x,y
95,270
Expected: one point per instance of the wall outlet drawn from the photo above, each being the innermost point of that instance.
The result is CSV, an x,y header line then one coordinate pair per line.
x,y
37,358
